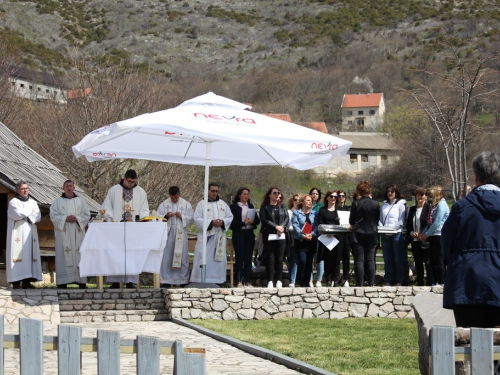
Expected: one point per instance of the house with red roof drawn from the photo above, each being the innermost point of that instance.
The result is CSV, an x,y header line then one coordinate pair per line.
x,y
362,112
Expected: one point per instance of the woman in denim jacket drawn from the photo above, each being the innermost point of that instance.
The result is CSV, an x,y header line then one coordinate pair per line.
x,y
305,243
432,232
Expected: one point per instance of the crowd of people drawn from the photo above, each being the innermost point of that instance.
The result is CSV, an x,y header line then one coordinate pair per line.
x,y
460,249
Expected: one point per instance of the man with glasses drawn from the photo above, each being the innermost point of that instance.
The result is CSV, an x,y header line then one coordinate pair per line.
x,y
123,202
219,218
23,263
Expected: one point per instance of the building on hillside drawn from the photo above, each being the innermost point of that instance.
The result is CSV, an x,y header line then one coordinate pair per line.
x,y
362,112
18,161
368,150
35,85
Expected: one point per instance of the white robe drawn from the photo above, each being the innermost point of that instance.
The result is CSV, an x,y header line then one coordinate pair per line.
x,y
215,271
69,237
168,274
114,206
28,267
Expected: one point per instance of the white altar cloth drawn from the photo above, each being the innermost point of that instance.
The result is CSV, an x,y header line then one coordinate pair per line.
x,y
108,247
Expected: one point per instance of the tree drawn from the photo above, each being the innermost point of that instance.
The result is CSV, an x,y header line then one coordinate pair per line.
x,y
447,103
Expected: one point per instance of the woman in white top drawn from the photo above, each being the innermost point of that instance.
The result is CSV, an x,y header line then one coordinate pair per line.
x,y
392,215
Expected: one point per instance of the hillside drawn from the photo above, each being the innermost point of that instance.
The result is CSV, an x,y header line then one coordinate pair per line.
x,y
233,37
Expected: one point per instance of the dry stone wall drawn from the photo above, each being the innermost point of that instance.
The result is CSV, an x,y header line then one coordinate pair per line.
x,y
300,303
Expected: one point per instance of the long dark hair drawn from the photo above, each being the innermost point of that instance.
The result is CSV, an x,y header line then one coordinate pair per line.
x,y
266,200
396,190
319,194
238,193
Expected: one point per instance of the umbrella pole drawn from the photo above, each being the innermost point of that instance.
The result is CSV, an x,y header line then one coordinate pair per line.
x,y
205,207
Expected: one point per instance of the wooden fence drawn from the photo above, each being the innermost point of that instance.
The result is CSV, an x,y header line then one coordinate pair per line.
x,y
482,354
69,345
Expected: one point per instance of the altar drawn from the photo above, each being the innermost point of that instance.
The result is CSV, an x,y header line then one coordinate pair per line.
x,y
123,248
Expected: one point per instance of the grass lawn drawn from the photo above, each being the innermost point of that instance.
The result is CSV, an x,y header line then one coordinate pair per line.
x,y
347,346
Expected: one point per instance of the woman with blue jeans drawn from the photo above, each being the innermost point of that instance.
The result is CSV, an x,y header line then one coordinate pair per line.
x,y
305,243
291,257
432,232
392,215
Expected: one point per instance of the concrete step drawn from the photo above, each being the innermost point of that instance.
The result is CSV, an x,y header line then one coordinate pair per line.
x,y
86,316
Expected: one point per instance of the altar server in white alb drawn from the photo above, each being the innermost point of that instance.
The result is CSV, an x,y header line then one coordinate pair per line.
x,y
124,202
23,263
219,218
175,262
70,215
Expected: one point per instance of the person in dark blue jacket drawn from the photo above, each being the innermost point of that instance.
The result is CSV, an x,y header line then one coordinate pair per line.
x,y
470,242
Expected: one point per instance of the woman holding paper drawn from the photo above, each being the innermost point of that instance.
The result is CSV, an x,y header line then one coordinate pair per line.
x,y
328,215
244,222
274,222
305,223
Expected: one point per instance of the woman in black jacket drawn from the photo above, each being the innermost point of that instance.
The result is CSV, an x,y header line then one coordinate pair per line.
x,y
243,235
415,222
274,222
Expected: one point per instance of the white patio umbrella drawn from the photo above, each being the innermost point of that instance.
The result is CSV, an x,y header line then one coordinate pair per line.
x,y
212,130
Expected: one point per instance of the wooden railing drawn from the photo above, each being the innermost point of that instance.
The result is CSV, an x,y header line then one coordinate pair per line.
x,y
31,343
481,353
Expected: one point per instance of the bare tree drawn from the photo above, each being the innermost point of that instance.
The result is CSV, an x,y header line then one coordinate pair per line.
x,y
448,106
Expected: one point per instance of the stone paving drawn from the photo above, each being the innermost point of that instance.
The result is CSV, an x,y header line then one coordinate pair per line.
x,y
221,359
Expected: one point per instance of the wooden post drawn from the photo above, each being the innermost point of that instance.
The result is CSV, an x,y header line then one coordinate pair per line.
x,y
108,352
1,346
443,350
68,350
156,280
179,366
481,351
31,346
148,355
100,282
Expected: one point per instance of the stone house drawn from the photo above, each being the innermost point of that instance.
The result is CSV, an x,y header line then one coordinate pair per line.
x,y
362,112
35,85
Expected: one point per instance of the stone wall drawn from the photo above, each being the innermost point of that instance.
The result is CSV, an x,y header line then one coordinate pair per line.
x,y
42,304
300,303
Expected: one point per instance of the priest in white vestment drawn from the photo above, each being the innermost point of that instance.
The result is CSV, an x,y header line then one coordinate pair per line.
x,y
70,215
218,221
124,202
23,263
175,262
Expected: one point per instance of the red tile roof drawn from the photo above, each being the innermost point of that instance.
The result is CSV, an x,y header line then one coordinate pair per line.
x,y
319,126
79,93
284,116
361,100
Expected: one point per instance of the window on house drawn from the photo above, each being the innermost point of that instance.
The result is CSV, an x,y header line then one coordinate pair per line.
x,y
349,113
353,158
360,122
364,158
39,89
384,159
372,112
21,84
46,90
31,87
349,122
360,112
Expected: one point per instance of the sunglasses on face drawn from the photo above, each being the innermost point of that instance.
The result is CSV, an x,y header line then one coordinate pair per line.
x,y
296,199
276,192
341,196
214,191
333,196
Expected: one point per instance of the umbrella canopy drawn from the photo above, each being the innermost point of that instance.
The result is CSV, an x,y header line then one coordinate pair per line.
x,y
237,137
212,130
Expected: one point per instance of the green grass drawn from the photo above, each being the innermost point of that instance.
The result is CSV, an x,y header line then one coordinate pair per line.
x,y
348,346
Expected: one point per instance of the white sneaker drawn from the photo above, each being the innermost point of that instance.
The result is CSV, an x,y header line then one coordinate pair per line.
x,y
318,284
292,285
311,285
279,284
270,284
346,284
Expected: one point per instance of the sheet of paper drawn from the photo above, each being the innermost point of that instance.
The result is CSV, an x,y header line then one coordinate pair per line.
x,y
251,214
330,243
344,217
275,237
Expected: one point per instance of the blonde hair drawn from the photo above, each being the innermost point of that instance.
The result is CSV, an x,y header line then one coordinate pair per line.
x,y
436,193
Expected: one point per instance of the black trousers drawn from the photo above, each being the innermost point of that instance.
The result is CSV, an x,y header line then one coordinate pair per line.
x,y
480,316
436,258
305,256
422,258
243,243
364,262
275,251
